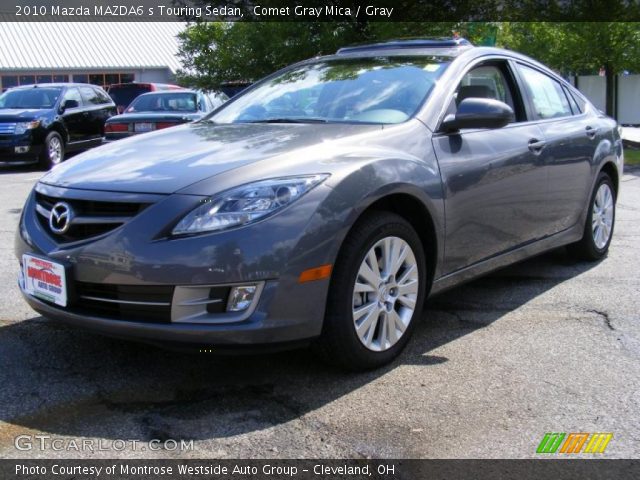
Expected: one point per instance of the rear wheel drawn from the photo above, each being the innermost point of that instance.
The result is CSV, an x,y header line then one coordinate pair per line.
x,y
598,229
53,153
376,293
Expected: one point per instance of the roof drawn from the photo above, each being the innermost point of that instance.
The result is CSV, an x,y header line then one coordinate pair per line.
x,y
53,85
88,45
412,43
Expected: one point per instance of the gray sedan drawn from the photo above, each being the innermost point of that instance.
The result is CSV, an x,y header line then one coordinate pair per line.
x,y
324,204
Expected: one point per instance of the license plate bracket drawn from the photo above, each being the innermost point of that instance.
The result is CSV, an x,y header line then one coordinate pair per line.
x,y
45,278
143,126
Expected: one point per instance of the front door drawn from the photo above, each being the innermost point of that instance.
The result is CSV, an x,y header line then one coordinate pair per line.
x,y
494,180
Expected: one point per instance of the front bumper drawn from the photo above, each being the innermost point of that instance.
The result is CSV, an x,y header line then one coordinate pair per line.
x,y
271,253
9,156
259,332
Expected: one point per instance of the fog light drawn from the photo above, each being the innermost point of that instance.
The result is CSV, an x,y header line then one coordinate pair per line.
x,y
241,297
21,149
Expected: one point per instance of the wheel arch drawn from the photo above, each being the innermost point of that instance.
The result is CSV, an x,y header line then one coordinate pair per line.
x,y
60,130
414,211
610,169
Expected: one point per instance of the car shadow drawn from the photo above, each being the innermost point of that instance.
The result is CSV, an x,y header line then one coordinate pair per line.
x,y
66,381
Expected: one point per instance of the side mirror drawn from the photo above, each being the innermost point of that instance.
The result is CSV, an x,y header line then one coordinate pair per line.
x,y
479,113
69,104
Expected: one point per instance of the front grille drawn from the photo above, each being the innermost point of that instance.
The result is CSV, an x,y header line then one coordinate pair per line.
x,y
90,217
7,128
142,303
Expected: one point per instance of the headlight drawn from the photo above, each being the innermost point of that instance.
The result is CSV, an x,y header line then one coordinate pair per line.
x,y
246,204
22,127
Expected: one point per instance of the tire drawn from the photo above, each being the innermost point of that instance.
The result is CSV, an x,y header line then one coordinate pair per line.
x,y
53,153
375,311
598,229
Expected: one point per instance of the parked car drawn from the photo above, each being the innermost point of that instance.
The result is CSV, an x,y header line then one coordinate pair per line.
x,y
41,123
158,110
325,203
125,93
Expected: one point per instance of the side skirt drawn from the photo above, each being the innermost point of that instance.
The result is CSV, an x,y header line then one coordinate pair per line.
x,y
518,254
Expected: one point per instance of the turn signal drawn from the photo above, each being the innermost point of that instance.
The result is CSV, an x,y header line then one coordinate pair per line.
x,y
317,273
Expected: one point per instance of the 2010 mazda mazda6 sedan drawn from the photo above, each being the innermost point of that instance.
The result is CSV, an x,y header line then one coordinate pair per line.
x,y
323,204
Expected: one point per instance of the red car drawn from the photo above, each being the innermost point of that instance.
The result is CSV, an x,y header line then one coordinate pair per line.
x,y
124,93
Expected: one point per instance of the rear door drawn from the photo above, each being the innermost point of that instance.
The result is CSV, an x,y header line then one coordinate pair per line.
x,y
494,179
99,108
570,141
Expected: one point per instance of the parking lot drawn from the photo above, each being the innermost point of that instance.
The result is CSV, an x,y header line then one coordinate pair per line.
x,y
549,345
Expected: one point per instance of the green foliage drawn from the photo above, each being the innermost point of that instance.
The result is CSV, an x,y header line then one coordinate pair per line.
x,y
579,47
215,53
576,47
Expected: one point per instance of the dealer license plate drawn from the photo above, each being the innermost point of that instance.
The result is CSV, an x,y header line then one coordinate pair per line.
x,y
44,279
143,127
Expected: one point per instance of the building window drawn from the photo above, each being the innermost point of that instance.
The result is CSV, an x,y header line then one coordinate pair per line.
x,y
126,77
111,78
9,81
101,79
43,78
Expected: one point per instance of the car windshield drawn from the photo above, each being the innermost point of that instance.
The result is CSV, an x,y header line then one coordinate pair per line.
x,y
165,102
355,90
30,98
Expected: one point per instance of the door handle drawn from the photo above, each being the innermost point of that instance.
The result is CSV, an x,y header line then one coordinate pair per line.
x,y
536,145
591,132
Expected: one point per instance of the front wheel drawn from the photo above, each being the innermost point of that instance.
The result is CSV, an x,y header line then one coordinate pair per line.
x,y
53,153
376,294
598,229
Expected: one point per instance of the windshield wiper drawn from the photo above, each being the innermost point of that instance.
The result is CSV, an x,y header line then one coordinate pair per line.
x,y
289,120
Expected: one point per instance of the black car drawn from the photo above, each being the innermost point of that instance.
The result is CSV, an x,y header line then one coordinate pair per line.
x,y
158,110
40,123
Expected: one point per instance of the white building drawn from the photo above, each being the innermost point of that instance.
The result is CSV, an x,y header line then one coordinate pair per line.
x,y
88,52
627,95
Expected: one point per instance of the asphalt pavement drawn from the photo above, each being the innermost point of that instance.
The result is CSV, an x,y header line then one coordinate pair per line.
x,y
549,345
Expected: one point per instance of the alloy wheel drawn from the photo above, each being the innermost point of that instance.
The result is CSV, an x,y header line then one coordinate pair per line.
x,y
602,216
385,293
55,150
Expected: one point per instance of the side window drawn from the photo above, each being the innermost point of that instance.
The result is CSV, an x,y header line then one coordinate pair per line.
x,y
547,95
72,94
489,81
580,101
485,82
572,101
92,96
102,96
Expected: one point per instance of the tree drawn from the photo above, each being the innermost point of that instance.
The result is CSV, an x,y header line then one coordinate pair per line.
x,y
215,53
579,47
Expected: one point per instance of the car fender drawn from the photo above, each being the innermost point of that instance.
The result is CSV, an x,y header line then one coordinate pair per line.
x,y
361,189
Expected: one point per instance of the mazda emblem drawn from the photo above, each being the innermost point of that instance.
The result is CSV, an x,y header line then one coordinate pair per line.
x,y
60,218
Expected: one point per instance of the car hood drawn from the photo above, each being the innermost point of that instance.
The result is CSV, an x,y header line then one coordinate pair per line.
x,y
170,160
20,114
154,117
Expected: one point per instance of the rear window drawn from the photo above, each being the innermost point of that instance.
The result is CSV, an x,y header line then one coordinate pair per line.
x,y
123,95
164,102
